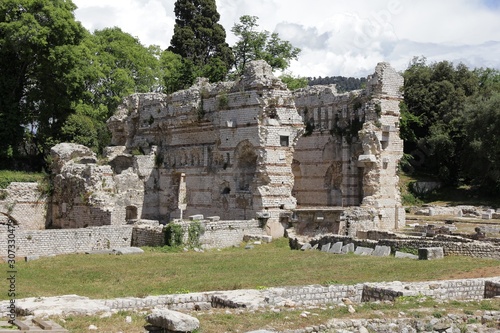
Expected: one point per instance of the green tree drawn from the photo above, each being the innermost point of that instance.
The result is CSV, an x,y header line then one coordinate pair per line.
x,y
257,45
176,73
38,55
293,82
112,65
434,101
120,66
200,39
481,157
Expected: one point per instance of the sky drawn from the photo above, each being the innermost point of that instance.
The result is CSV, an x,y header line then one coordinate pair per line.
x,y
337,37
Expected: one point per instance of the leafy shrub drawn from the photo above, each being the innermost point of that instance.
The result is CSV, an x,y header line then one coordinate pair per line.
x,y
195,230
173,234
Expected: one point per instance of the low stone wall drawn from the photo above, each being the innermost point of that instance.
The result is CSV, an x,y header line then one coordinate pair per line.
x,y
470,289
297,296
314,294
216,234
63,241
452,246
148,235
221,234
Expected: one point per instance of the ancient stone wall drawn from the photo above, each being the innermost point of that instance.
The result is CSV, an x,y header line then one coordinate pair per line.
x,y
231,143
91,193
240,150
58,241
349,153
215,234
24,204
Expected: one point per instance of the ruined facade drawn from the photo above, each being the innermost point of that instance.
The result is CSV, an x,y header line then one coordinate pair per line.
x,y
249,149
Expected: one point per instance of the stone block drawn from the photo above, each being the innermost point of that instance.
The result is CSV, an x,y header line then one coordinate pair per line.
x,y
31,258
173,321
326,247
430,253
99,252
305,247
128,250
196,217
348,248
486,215
405,255
382,251
267,239
336,248
363,251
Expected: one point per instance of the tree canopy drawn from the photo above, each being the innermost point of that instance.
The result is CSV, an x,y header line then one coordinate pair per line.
x,y
59,82
38,54
200,40
257,45
449,122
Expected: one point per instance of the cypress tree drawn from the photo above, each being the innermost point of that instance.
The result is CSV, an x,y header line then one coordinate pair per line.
x,y
200,40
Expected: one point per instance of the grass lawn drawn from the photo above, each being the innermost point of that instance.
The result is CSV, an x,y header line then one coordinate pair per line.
x,y
268,265
8,176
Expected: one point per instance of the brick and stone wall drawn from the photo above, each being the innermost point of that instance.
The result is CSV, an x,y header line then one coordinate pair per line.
x,y
215,234
221,234
349,153
25,204
242,150
64,241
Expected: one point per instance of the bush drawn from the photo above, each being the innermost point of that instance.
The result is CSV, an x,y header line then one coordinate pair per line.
x,y
173,234
195,230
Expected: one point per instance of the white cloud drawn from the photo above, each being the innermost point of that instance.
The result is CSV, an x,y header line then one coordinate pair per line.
x,y
336,37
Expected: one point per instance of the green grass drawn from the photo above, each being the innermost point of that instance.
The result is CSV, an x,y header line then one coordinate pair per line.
x,y
156,273
8,176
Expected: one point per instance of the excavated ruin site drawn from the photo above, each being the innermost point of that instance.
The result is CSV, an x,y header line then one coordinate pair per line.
x,y
248,158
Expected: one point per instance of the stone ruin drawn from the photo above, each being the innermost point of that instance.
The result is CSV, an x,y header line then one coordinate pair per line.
x,y
249,149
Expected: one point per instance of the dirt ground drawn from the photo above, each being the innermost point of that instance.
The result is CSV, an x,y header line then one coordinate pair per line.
x,y
478,273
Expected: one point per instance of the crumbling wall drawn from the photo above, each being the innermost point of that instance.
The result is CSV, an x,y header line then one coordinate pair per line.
x,y
241,150
350,150
25,204
87,193
232,143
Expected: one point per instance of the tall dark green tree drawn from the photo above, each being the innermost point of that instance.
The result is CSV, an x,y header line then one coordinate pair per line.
x,y
38,52
200,40
257,45
434,100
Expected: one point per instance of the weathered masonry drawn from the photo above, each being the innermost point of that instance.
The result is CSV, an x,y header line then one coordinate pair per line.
x,y
249,149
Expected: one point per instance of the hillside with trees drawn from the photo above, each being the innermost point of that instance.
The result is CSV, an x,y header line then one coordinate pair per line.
x,y
343,84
